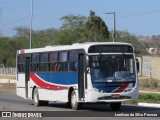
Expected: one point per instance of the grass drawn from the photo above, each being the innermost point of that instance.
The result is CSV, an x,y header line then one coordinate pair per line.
x,y
149,98
146,98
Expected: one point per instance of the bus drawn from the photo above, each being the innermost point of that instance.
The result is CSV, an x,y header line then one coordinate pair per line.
x,y
96,72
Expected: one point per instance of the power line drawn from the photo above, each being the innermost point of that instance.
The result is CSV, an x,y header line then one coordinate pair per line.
x,y
16,21
140,14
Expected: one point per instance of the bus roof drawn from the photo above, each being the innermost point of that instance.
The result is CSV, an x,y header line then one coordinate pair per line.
x,y
74,46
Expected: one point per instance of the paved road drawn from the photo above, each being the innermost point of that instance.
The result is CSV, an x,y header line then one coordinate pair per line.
x,y
10,102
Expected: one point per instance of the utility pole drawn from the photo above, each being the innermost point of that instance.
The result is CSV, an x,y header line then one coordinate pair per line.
x,y
1,18
31,24
114,25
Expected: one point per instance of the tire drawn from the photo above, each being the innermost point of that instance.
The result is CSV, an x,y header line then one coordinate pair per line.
x,y
44,103
74,104
115,106
68,104
36,100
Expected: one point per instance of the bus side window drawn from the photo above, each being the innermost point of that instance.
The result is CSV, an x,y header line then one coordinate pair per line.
x,y
56,67
76,66
35,62
69,66
21,63
63,61
73,58
53,58
43,65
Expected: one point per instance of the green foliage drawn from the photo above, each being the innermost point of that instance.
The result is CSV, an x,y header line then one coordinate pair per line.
x,y
44,38
154,83
65,37
4,53
146,84
149,98
150,83
96,29
79,29
73,22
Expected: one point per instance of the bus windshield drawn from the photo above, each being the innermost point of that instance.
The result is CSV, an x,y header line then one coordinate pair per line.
x,y
112,68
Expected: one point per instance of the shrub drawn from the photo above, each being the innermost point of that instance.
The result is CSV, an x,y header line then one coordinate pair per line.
x,y
146,83
154,83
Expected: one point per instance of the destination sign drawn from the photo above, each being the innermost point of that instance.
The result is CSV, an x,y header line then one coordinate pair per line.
x,y
110,49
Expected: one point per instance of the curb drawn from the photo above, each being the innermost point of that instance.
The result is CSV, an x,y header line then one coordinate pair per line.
x,y
4,80
149,105
149,92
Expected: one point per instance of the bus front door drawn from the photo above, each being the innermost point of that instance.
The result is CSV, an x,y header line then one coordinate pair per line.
x,y
81,72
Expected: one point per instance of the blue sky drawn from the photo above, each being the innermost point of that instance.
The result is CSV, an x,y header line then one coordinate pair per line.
x,y
143,15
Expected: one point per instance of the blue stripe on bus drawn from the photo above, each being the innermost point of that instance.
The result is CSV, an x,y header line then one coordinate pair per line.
x,y
63,78
109,87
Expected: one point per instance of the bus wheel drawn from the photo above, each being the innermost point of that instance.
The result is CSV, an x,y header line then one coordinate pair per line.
x,y
45,103
115,106
74,104
37,102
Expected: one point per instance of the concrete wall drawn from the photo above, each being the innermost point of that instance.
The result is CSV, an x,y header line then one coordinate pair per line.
x,y
150,66
155,68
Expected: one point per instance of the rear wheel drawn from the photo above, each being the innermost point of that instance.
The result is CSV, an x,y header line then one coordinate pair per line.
x,y
37,102
44,103
115,106
74,103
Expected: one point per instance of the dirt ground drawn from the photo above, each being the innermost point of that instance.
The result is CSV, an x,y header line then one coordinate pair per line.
x,y
143,87
11,88
8,88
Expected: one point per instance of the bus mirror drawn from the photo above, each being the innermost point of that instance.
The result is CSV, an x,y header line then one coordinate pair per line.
x,y
137,65
88,71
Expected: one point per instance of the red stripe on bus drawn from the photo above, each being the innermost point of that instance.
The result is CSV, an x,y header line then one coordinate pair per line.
x,y
22,51
43,84
122,88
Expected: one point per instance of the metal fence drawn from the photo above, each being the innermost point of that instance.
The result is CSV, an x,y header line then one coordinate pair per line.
x,y
8,70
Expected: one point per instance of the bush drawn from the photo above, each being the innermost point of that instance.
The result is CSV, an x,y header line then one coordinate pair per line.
x,y
153,83
146,83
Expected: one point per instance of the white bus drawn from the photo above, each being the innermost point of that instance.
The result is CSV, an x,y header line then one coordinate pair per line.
x,y
79,73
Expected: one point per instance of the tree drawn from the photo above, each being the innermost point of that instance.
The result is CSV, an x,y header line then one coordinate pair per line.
x,y
96,28
72,29
4,53
73,22
76,28
125,36
44,38
22,32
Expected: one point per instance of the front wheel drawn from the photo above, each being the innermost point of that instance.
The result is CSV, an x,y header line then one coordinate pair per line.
x,y
37,102
115,106
74,104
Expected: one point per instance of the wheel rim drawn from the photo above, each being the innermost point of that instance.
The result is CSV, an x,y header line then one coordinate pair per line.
x,y
74,101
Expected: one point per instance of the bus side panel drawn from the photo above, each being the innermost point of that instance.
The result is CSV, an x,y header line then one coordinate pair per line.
x,y
21,90
53,95
53,86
